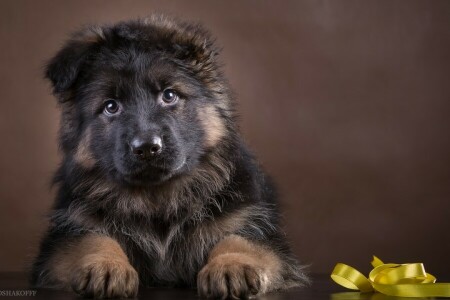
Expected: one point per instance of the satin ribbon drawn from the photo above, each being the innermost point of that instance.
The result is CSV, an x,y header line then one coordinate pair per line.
x,y
401,280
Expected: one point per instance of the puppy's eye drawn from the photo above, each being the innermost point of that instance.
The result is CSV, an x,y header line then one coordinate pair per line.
x,y
111,107
169,96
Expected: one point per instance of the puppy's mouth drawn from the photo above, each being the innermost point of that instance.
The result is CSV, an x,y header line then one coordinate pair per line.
x,y
152,174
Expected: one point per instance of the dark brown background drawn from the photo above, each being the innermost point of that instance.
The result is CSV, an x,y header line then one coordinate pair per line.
x,y
346,103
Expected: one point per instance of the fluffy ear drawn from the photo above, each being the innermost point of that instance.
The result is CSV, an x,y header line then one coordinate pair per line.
x,y
64,69
196,46
189,42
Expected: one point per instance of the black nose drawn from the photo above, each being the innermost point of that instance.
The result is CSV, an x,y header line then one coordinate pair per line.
x,y
144,148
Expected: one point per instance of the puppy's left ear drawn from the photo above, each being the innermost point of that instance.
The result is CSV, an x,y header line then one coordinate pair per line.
x,y
67,65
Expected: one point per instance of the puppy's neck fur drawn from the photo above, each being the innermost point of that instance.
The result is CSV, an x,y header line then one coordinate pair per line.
x,y
190,197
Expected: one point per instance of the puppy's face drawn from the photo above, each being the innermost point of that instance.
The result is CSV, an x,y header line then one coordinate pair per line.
x,y
143,113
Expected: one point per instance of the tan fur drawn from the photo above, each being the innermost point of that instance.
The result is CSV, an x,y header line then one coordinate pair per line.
x,y
83,154
94,265
212,124
234,222
239,268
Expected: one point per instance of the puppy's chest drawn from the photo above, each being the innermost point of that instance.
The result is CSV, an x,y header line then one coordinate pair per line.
x,y
167,253
165,242
158,238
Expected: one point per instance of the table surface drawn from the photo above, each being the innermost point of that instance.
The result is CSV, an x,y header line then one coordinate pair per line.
x,y
322,288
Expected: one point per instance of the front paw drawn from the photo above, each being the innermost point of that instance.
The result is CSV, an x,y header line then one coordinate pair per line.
x,y
97,277
231,275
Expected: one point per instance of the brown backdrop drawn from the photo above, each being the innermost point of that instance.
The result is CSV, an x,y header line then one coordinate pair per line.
x,y
346,103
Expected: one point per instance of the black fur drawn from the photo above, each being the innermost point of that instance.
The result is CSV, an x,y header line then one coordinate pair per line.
x,y
164,216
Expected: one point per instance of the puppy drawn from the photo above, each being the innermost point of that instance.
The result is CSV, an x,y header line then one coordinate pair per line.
x,y
156,186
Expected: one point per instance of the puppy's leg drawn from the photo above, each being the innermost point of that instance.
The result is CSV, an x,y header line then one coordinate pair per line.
x,y
94,266
238,268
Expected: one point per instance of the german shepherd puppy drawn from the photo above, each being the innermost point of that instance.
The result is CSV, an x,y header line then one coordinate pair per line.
x,y
156,186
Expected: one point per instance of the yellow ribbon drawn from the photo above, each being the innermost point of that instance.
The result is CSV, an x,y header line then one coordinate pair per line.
x,y
401,280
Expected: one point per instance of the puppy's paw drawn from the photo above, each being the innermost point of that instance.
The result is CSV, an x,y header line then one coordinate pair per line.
x,y
231,275
98,277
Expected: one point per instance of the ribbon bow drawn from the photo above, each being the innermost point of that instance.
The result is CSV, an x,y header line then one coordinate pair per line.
x,y
401,280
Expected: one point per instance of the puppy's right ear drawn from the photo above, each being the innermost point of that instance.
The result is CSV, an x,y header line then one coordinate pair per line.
x,y
65,67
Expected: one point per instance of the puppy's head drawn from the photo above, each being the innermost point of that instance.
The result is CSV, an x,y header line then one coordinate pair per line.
x,y
141,101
